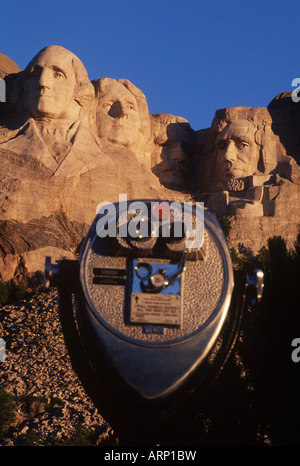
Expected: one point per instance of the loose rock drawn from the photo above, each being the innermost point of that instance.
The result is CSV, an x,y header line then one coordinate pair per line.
x,y
38,371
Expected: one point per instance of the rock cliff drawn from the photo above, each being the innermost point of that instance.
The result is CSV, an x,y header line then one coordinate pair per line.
x,y
67,144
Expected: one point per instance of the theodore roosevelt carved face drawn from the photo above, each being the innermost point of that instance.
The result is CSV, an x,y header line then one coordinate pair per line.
x,y
173,138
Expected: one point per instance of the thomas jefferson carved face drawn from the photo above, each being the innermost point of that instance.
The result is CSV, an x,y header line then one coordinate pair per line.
x,y
237,151
118,117
50,84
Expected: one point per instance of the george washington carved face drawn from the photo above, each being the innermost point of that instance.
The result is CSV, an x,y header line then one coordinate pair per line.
x,y
52,79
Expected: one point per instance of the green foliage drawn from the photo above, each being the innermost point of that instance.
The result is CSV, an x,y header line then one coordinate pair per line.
x,y
268,330
3,293
241,262
30,439
6,291
83,436
260,401
7,411
225,225
21,291
263,258
10,292
278,250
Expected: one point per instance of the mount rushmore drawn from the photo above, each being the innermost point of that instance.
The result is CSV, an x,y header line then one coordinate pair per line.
x,y
68,143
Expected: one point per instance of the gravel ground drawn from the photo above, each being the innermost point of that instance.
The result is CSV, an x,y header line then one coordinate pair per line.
x,y
38,372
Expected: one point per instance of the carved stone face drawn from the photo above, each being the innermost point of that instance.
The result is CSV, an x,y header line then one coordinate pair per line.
x,y
237,152
50,84
172,169
118,117
173,158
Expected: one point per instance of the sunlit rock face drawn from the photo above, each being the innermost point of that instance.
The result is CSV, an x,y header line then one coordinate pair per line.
x,y
68,143
246,174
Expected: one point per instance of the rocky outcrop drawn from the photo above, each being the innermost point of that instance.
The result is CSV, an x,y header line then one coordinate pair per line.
x,y
7,66
67,144
245,173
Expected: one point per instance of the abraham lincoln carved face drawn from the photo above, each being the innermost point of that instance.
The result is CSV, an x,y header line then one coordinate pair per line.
x,y
240,139
238,153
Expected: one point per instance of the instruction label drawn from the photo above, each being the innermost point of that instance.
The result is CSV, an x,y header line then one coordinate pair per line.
x,y
109,276
149,308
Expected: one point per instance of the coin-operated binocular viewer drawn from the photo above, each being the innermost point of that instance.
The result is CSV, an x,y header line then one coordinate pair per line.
x,y
150,313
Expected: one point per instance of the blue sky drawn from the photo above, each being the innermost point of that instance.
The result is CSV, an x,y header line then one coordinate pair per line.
x,y
189,57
